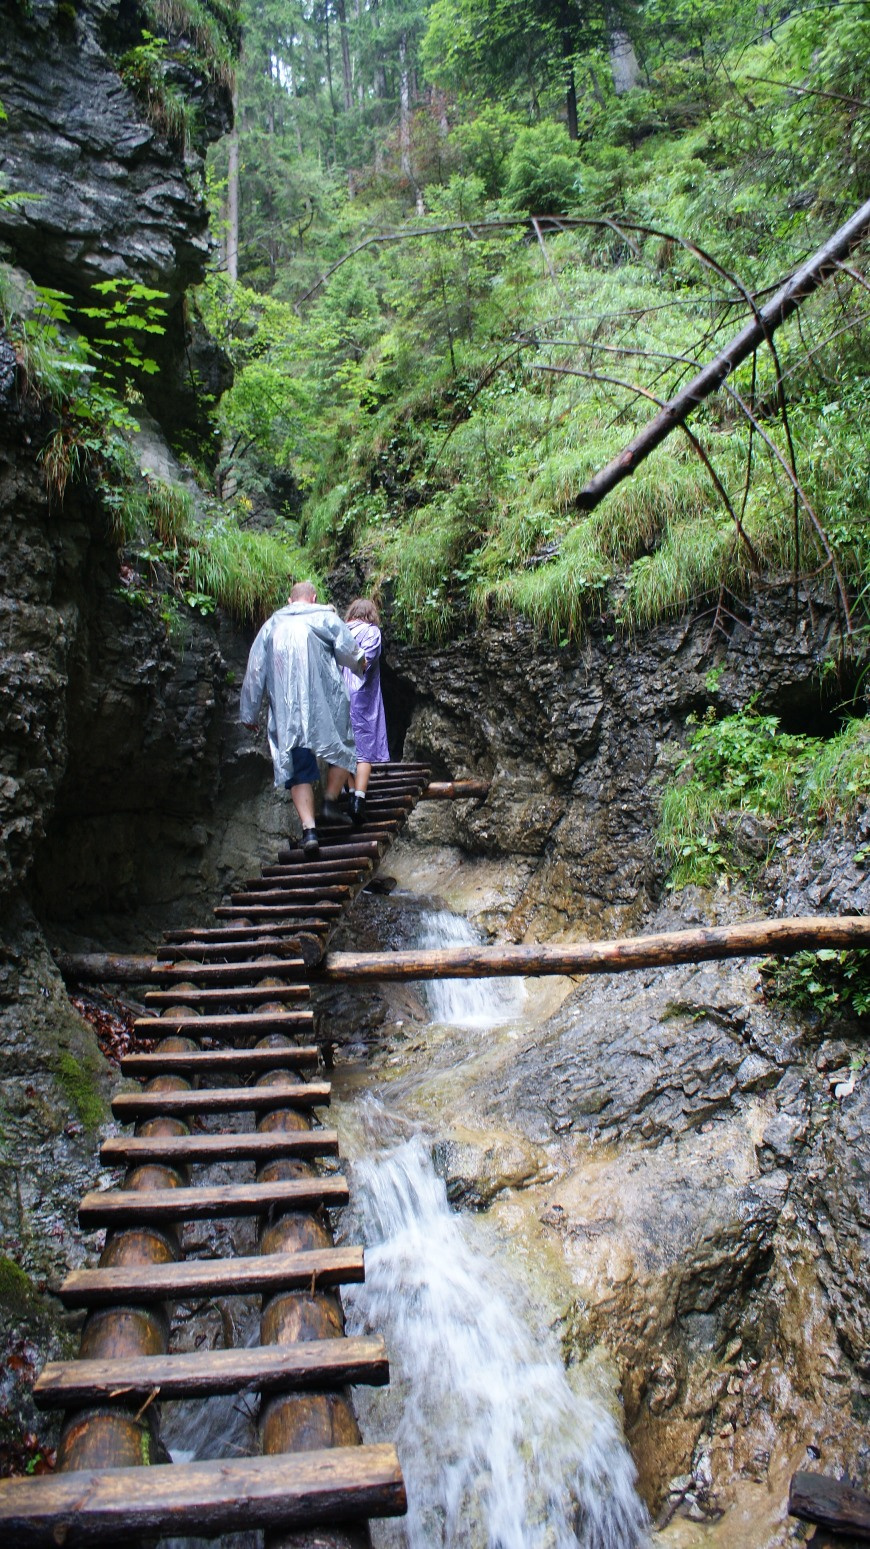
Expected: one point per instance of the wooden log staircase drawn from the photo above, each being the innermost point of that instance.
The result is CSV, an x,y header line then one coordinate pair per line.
x,y
231,1019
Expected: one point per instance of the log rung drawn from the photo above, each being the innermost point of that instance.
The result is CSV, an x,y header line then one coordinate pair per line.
x,y
292,854
260,1274
112,1207
241,1024
216,1061
198,951
349,876
285,895
249,995
225,973
265,1369
319,868
260,1146
289,1490
127,1106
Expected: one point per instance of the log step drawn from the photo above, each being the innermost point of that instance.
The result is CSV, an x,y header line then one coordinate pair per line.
x,y
832,1503
240,1025
300,882
324,869
128,1106
257,911
217,1061
321,1363
292,1490
235,932
129,1151
324,894
199,951
292,854
114,1207
248,995
226,973
264,1274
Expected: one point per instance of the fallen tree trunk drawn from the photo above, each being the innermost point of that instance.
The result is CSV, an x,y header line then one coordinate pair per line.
x,y
832,1503
765,938
787,299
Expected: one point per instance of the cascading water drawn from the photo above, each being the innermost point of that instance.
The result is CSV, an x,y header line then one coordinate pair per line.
x,y
498,1449
471,1003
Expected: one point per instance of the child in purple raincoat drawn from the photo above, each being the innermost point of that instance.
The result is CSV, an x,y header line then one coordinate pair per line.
x,y
366,703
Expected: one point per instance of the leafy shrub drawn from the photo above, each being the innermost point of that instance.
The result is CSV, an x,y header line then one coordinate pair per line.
x,y
543,168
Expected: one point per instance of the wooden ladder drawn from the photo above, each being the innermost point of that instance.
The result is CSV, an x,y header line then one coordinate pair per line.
x,y
231,1019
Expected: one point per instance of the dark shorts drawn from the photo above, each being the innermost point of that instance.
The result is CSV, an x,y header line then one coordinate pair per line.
x,y
305,770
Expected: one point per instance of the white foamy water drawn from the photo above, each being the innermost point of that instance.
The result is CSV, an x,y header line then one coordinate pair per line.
x,y
471,1003
497,1448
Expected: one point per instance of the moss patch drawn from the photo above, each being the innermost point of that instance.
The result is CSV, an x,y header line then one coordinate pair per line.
x,y
80,1083
16,1288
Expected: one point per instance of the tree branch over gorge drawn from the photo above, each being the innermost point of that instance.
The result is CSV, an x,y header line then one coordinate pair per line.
x,y
782,304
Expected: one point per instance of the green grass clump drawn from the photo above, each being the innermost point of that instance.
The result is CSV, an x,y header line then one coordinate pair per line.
x,y
744,763
247,572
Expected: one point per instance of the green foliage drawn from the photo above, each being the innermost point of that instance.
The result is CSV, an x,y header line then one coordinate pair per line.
x,y
744,763
824,982
80,1083
131,311
144,68
542,171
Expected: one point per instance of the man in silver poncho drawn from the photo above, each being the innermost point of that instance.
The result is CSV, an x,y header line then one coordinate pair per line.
x,y
296,660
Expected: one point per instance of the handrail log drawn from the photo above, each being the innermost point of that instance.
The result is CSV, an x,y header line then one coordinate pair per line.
x,y
708,943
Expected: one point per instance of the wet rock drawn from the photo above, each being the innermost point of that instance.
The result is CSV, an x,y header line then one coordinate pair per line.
x,y
475,1170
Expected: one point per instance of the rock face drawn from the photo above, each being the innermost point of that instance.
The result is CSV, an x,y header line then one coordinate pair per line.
x,y
110,197
572,740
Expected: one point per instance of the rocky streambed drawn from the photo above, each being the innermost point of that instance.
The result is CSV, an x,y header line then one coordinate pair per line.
x,y
661,1164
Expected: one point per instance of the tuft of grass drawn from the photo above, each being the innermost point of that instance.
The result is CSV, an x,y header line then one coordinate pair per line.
x,y
745,763
249,573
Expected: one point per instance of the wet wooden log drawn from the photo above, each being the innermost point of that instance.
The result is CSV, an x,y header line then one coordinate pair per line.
x,y
241,1026
302,881
219,1061
224,973
325,893
115,1207
205,1149
127,1106
323,1363
714,943
830,1503
292,854
257,1274
246,995
455,790
220,1496
199,950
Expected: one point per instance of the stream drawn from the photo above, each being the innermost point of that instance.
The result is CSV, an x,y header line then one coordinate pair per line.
x,y
500,1445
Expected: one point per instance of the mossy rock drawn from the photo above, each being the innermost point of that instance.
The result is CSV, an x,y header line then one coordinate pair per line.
x,y
80,1080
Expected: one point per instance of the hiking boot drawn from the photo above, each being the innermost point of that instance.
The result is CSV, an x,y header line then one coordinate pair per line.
x,y
357,808
331,813
310,842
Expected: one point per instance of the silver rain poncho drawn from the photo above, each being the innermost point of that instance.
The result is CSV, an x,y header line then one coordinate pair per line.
x,y
296,659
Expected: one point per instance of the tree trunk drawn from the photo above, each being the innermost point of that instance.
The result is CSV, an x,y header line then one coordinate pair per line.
x,y
347,77
404,109
788,298
571,106
623,62
233,194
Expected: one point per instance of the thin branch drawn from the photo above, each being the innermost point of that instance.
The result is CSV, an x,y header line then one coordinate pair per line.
x,y
811,91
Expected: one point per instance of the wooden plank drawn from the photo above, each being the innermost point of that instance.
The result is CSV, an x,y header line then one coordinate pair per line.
x,y
127,1106
291,854
260,1274
832,1503
199,951
258,1146
708,944
274,911
455,790
219,1061
225,973
238,932
282,895
289,1490
241,1024
322,1363
319,868
115,1207
247,995
308,884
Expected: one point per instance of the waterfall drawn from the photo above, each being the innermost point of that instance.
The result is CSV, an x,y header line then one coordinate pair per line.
x,y
471,1003
498,1449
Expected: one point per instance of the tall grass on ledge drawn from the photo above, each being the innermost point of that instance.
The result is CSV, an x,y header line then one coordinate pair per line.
x,y
248,573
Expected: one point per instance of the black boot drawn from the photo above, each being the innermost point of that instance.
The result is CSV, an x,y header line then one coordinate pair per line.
x,y
333,813
358,808
310,843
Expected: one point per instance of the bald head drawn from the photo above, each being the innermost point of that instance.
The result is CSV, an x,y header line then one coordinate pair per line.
x,y
303,591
